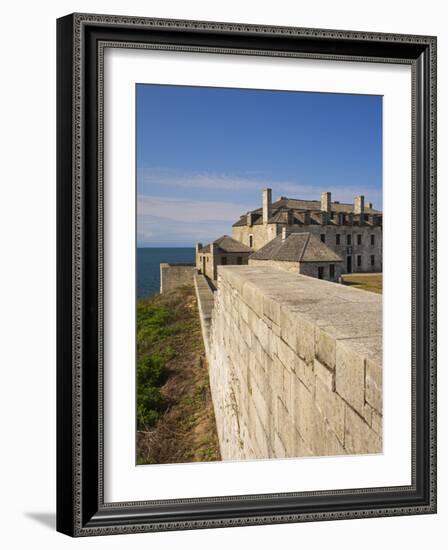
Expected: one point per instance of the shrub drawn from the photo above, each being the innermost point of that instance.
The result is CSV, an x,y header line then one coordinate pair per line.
x,y
151,374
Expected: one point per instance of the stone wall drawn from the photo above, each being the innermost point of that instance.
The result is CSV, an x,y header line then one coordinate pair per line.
x,y
336,238
292,267
174,275
295,365
207,263
304,268
261,234
205,298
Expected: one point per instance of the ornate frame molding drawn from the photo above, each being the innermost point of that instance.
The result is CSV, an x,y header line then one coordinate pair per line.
x,y
81,42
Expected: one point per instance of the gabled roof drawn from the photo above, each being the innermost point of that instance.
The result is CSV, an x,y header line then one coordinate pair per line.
x,y
297,247
280,211
227,244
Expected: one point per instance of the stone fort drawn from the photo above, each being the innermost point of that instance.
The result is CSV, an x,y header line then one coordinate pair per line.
x,y
295,363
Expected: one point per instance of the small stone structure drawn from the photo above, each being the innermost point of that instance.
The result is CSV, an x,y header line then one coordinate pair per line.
x,y
222,251
174,275
299,253
295,364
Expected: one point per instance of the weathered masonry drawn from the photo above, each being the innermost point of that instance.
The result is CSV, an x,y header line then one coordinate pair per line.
x,y
353,231
295,365
174,275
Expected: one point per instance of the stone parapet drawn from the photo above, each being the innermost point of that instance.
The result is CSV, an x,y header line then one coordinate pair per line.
x,y
205,299
175,275
295,365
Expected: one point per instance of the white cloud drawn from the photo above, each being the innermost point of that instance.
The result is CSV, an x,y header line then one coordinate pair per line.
x,y
200,180
185,210
213,181
152,230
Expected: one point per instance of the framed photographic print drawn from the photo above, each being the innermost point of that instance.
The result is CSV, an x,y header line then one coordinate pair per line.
x,y
246,274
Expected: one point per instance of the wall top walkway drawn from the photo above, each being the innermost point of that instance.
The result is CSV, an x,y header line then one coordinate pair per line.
x,y
345,312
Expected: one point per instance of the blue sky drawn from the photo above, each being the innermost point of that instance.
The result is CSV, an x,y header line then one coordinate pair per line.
x,y
205,154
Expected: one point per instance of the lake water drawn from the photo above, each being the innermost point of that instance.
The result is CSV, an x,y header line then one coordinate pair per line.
x,y
148,266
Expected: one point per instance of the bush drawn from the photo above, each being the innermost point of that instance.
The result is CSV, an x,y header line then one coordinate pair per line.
x,y
151,374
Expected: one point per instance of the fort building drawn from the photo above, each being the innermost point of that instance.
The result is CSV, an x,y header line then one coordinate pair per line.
x,y
300,253
352,231
222,251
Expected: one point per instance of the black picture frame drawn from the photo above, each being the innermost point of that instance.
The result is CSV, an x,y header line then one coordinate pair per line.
x,y
81,510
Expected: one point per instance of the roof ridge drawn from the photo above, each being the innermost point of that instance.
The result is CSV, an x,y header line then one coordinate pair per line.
x,y
304,246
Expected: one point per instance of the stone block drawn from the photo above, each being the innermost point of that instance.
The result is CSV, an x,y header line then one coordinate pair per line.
x,y
350,375
288,331
287,356
305,372
325,348
325,375
377,423
287,389
259,435
359,437
305,339
271,308
332,409
300,447
261,406
276,378
374,384
279,447
253,298
312,426
285,427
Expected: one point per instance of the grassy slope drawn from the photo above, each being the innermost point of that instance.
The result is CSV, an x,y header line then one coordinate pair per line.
x,y
181,427
371,282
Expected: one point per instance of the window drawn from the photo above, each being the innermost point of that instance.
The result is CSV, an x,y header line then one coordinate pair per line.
x,y
251,241
372,260
208,258
239,260
331,271
349,239
320,272
372,240
338,238
322,237
224,260
358,260
358,239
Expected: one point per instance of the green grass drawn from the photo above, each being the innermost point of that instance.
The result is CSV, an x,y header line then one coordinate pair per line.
x,y
371,282
175,417
154,329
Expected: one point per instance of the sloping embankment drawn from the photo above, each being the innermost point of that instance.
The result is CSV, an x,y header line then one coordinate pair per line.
x,y
174,409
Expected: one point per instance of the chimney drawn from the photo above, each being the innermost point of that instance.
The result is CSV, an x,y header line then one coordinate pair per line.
x,y
283,233
359,205
325,202
198,247
267,205
249,219
370,205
